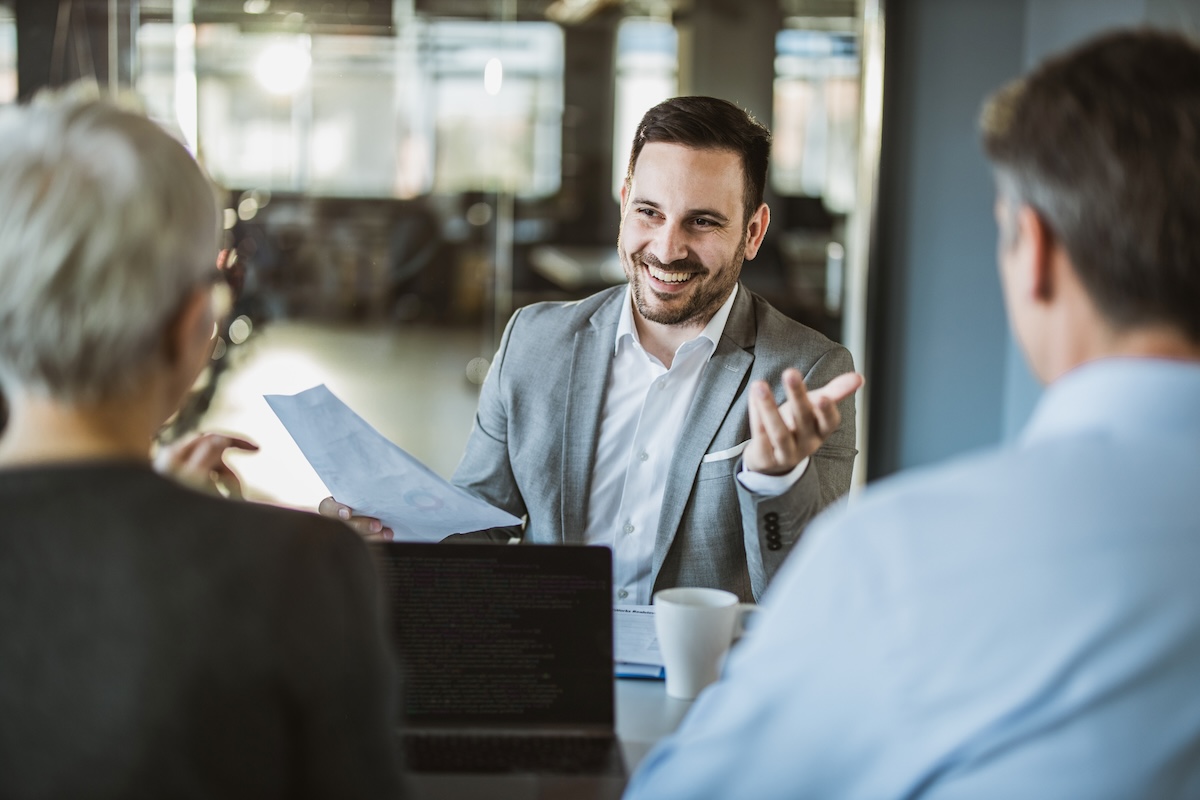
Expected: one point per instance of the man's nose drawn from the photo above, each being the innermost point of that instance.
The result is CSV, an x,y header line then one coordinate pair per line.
x,y
669,244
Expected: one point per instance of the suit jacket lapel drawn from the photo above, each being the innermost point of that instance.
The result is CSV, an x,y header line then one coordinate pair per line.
x,y
719,384
591,361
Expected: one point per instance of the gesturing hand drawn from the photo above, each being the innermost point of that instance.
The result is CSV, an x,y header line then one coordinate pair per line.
x,y
199,462
783,436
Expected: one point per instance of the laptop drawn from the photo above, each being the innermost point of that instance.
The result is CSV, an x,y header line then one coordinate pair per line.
x,y
506,653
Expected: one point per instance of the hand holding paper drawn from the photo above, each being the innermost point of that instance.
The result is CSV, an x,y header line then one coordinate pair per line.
x,y
375,477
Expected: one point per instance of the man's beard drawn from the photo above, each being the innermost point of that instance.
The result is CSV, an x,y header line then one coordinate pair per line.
x,y
701,303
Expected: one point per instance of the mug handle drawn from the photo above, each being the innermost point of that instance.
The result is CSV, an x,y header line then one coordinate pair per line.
x,y
744,612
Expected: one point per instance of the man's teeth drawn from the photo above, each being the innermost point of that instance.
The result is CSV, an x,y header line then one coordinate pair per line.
x,y
669,277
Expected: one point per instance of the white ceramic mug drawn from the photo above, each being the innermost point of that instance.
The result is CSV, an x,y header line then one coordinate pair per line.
x,y
695,628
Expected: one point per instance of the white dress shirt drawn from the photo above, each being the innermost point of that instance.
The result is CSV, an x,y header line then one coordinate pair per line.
x,y
645,405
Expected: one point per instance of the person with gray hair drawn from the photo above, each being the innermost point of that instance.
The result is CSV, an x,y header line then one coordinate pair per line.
x,y
155,641
1024,622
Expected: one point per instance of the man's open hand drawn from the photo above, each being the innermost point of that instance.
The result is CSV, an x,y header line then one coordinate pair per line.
x,y
783,436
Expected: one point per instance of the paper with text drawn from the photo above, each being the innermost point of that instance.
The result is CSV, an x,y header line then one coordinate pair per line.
x,y
634,638
375,477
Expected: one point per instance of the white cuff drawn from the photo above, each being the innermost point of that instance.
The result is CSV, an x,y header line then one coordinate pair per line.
x,y
771,485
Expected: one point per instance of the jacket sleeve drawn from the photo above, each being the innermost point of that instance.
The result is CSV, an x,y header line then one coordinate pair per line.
x,y
771,525
485,469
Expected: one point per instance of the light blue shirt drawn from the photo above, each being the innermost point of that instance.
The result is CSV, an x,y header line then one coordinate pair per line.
x,y
1020,624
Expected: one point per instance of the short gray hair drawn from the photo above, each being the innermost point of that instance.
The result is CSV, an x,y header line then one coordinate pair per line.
x,y
106,224
1103,142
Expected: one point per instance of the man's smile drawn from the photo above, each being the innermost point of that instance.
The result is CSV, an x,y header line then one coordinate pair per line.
x,y
669,277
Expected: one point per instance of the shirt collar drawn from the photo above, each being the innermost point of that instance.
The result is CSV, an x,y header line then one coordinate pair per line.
x,y
712,331
1124,396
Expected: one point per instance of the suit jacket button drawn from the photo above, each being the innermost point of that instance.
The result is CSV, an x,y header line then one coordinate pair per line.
x,y
771,516
772,527
774,545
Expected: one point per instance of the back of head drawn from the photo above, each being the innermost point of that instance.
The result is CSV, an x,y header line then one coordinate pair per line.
x,y
106,224
706,123
1103,143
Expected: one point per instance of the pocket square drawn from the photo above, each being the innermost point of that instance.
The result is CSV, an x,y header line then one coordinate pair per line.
x,y
721,455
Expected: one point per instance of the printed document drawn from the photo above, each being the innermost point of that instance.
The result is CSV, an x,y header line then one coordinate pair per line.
x,y
375,477
635,643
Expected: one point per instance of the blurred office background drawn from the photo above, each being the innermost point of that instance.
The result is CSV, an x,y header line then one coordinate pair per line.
x,y
402,174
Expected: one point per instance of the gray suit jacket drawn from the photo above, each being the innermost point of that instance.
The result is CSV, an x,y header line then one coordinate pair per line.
x,y
532,447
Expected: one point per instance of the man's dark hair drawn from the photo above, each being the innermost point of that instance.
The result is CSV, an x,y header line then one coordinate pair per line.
x,y
1103,143
706,123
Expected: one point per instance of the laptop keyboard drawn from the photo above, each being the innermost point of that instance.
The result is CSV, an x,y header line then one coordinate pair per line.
x,y
490,753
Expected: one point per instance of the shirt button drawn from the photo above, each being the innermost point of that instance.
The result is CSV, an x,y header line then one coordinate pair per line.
x,y
643,456
628,528
622,594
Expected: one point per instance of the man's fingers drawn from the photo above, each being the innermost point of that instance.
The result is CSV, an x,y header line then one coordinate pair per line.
x,y
382,535
839,388
778,433
332,508
793,384
784,435
368,527
825,401
817,411
756,425
827,417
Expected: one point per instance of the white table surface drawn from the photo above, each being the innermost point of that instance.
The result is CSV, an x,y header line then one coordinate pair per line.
x,y
644,715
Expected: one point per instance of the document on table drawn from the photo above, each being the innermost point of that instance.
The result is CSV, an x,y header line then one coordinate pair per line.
x,y
635,643
375,477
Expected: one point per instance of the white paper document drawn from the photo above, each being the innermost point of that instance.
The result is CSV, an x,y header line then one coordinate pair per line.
x,y
375,477
635,642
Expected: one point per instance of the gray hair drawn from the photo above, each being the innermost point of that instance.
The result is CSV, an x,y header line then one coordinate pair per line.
x,y
106,224
1103,142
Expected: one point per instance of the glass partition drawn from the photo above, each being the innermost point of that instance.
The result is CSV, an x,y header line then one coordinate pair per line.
x,y
398,183
8,55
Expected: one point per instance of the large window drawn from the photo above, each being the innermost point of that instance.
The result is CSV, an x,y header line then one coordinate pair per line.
x,y
647,73
496,94
816,116
447,107
8,55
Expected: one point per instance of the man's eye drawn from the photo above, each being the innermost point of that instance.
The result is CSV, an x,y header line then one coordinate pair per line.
x,y
704,223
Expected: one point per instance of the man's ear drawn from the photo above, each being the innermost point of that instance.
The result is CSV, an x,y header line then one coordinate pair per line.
x,y
1039,243
756,230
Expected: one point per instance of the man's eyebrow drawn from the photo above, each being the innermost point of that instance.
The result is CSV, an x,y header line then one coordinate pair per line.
x,y
695,212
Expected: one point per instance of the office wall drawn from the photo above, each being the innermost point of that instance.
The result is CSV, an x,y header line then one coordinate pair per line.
x,y
948,376
939,342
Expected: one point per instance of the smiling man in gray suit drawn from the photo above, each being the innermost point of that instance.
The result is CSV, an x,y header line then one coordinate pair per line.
x,y
642,418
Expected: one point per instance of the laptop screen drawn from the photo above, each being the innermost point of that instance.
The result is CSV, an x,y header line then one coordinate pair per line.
x,y
502,635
